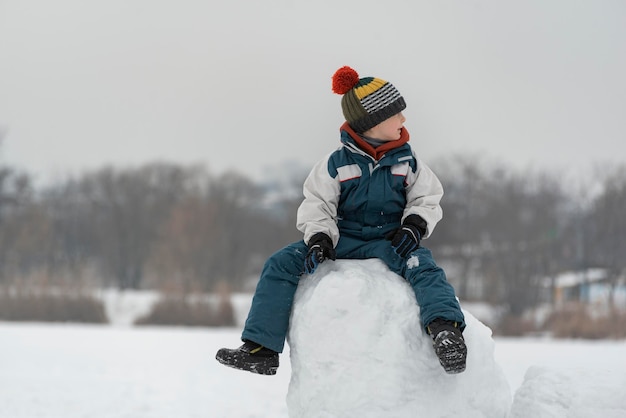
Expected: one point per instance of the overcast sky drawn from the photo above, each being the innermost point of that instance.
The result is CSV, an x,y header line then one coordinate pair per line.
x,y
247,84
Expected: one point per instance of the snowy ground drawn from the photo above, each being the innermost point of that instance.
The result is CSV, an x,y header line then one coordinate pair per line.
x,y
69,371
116,371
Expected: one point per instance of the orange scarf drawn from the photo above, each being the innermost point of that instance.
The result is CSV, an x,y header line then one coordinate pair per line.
x,y
379,152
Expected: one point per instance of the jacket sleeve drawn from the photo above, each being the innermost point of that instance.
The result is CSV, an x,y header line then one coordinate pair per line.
x,y
424,192
318,210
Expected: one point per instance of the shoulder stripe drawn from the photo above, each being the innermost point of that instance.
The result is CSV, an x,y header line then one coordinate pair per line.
x,y
349,172
400,169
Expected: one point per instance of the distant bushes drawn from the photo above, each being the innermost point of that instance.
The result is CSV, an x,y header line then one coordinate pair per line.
x,y
575,320
178,307
190,311
19,304
515,326
61,304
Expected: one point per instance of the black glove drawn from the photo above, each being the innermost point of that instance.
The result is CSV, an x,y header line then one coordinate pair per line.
x,y
406,239
320,249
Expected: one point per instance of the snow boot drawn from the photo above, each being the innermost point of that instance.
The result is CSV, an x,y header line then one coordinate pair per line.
x,y
251,357
449,345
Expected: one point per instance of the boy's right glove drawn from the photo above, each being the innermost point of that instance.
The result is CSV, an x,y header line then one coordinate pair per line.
x,y
407,238
320,248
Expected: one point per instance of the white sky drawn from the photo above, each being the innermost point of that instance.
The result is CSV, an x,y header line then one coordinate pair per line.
x,y
246,84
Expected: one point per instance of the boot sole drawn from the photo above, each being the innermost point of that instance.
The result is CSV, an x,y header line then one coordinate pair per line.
x,y
453,364
264,366
452,356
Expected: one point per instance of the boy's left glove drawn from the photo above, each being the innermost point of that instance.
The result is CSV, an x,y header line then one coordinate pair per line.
x,y
320,249
407,238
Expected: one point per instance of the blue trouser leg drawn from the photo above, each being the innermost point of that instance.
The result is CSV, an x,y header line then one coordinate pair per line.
x,y
433,292
268,319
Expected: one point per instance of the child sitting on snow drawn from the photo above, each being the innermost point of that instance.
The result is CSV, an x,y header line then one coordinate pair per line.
x,y
371,198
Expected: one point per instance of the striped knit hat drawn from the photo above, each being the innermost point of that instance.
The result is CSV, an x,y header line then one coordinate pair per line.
x,y
367,101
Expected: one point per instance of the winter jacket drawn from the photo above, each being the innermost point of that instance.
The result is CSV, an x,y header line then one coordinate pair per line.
x,y
366,195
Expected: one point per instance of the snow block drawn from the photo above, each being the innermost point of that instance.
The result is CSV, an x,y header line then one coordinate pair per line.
x,y
572,393
358,349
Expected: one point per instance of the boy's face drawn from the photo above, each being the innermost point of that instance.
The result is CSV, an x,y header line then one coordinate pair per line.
x,y
388,130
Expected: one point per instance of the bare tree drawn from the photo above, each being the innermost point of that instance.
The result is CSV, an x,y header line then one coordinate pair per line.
x,y
127,209
502,230
608,233
460,235
222,235
16,194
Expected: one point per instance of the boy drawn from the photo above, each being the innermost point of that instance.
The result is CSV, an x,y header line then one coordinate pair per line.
x,y
371,198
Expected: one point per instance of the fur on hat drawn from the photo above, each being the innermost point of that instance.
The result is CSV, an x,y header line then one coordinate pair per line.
x,y
367,101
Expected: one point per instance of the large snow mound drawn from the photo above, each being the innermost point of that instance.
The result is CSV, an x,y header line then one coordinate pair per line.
x,y
358,350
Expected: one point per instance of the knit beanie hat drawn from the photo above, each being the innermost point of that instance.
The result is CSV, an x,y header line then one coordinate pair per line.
x,y
367,101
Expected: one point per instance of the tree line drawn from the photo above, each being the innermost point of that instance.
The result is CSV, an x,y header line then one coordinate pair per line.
x,y
156,226
181,229
509,232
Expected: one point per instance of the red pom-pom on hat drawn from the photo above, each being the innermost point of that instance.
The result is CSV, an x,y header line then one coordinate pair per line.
x,y
344,80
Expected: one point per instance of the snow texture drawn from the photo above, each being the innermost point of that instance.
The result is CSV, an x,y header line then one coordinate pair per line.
x,y
358,349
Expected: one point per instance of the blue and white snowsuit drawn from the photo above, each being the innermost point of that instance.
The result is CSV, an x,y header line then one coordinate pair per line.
x,y
356,200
